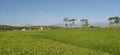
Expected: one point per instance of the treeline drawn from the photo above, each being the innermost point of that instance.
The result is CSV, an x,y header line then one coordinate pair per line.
x,y
6,27
113,21
14,28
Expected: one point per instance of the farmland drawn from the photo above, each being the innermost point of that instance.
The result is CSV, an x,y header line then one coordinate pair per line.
x,y
84,41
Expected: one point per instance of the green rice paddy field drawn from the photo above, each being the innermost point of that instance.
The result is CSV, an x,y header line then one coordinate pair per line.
x,y
86,41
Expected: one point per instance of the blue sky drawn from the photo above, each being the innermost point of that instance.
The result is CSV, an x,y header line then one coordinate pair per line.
x,y
48,12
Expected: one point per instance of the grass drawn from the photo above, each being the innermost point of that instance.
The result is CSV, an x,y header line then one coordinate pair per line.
x,y
97,41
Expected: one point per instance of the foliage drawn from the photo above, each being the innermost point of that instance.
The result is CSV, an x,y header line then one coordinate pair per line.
x,y
66,20
114,20
12,28
70,21
84,22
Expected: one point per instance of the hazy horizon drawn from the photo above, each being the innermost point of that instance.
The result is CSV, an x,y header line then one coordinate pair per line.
x,y
49,12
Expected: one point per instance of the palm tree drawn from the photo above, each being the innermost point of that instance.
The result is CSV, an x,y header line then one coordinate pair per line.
x,y
84,22
66,20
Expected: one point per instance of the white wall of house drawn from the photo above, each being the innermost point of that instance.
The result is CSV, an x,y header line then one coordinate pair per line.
x,y
41,28
23,29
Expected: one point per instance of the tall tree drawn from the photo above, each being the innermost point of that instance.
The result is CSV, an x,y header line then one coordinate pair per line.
x,y
111,20
84,22
70,22
114,20
73,22
66,20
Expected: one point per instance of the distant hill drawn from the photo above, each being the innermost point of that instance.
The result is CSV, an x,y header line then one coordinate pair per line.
x,y
28,25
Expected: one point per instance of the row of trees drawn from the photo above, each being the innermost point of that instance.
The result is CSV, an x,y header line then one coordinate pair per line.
x,y
84,22
71,22
14,28
114,20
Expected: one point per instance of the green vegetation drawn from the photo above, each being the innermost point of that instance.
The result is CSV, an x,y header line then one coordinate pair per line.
x,y
19,28
114,20
69,22
84,22
84,41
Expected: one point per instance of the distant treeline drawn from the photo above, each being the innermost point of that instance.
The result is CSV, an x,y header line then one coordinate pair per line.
x,y
12,28
70,22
